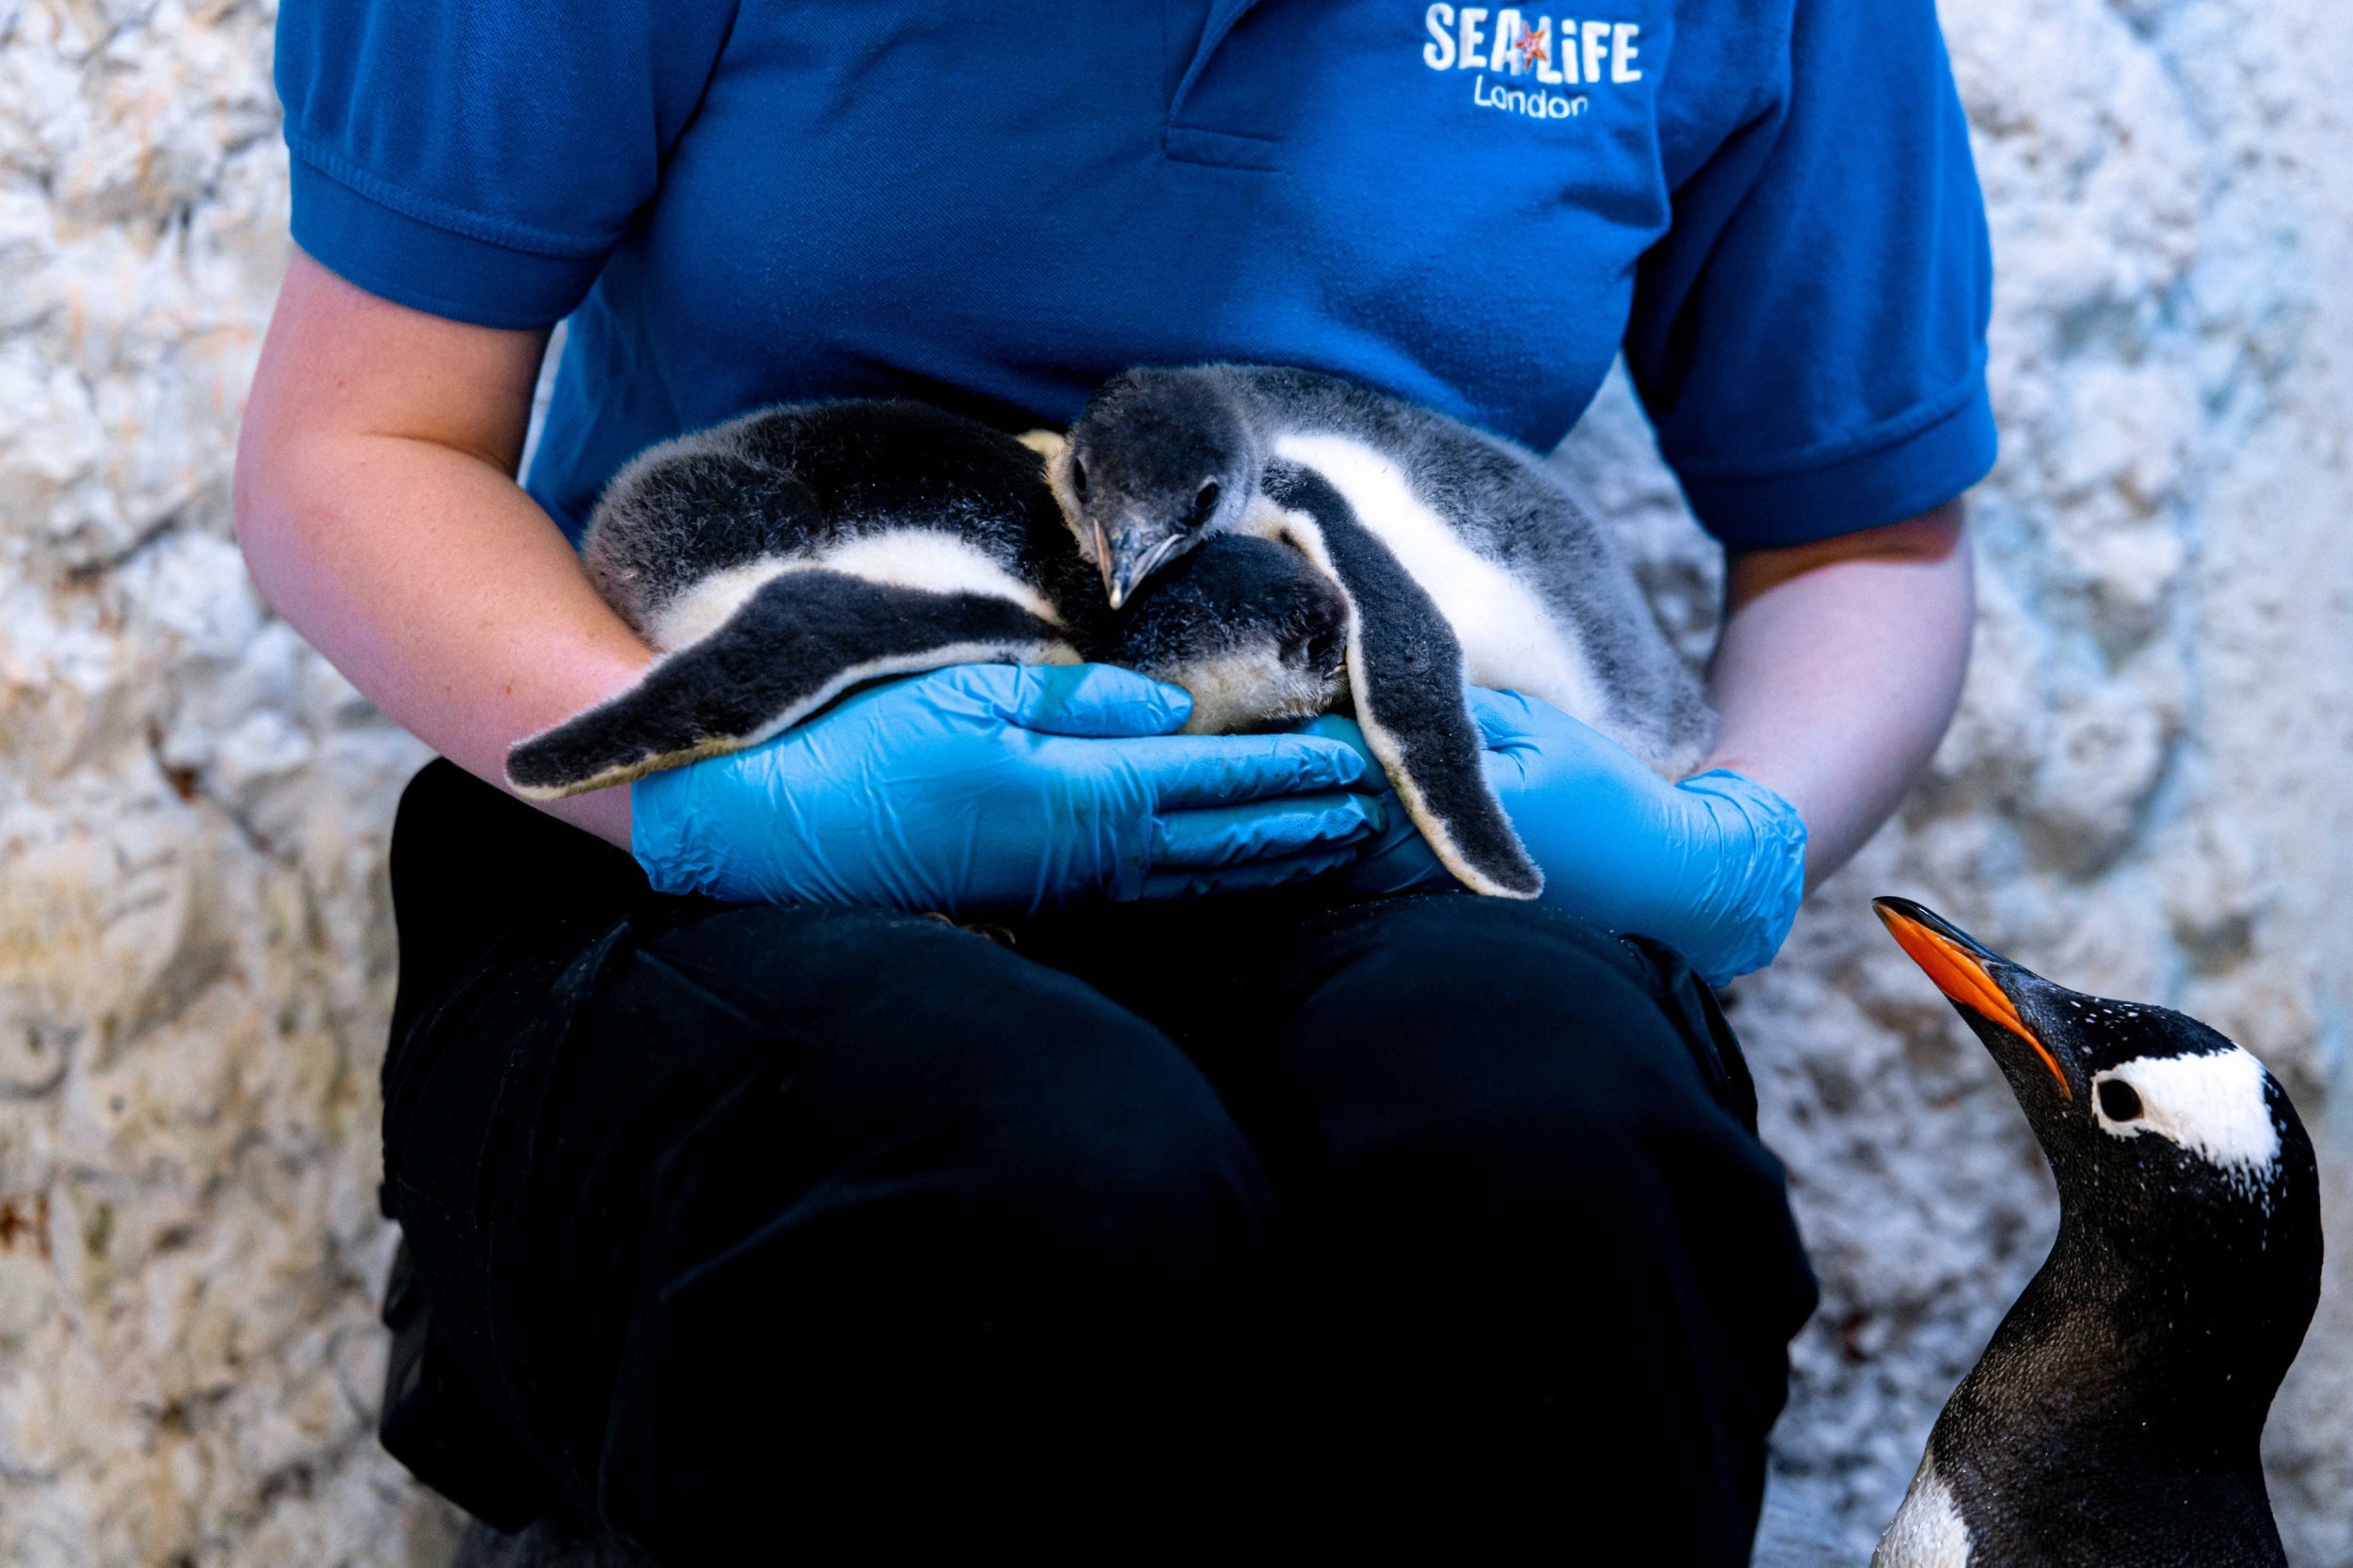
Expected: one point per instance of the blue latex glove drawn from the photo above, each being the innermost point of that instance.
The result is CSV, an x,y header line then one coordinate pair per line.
x,y
1713,865
1002,789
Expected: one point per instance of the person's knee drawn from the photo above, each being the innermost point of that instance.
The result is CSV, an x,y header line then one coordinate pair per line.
x,y
944,1097
1496,1040
1518,1155
992,1206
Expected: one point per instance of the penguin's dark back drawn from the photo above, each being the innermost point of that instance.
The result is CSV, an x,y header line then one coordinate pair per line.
x,y
2035,1510
787,482
907,465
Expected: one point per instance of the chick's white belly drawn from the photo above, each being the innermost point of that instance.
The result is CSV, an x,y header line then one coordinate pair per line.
x,y
1509,637
689,617
905,558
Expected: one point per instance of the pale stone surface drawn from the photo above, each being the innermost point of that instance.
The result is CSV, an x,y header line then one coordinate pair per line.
x,y
2145,795
195,962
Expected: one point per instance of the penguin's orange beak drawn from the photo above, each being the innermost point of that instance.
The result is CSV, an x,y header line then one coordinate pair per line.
x,y
1959,969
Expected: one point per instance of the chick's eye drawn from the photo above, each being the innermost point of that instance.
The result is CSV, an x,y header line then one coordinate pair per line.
x,y
1205,502
2119,1100
1078,479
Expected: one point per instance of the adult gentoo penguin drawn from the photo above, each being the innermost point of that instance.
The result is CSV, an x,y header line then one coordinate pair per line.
x,y
1537,597
2113,1420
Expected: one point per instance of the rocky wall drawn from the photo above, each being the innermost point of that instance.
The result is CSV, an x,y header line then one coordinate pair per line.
x,y
2145,795
195,959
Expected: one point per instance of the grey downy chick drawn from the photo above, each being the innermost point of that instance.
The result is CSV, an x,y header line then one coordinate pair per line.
x,y
1537,596
1256,635
780,560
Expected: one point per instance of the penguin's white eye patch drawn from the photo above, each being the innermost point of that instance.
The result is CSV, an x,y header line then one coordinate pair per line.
x,y
2212,1105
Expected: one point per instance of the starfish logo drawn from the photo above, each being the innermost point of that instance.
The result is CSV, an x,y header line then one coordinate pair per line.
x,y
1535,48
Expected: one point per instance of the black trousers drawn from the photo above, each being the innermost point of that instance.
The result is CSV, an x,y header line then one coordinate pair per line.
x,y
742,1228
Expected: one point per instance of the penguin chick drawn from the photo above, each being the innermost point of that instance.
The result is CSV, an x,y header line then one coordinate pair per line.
x,y
1254,633
779,561
895,492
1537,595
2113,1420
1160,461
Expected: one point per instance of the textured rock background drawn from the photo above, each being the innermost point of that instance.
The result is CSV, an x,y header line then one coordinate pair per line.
x,y
2146,793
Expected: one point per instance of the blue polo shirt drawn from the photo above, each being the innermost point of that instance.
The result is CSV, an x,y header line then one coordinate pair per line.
x,y
1768,204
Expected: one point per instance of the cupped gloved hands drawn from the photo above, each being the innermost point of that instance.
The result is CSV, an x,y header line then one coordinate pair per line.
x,y
1712,866
1002,789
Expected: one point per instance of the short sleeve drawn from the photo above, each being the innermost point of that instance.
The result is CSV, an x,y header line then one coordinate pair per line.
x,y
479,159
1810,336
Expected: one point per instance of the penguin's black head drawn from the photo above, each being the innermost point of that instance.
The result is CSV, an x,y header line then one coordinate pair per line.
x,y
2182,1167
1256,633
1160,461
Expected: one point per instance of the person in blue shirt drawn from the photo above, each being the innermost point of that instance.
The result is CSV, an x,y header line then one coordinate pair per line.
x,y
1183,1182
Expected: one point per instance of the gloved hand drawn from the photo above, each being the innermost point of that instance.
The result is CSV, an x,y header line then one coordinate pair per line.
x,y
1713,865
1001,789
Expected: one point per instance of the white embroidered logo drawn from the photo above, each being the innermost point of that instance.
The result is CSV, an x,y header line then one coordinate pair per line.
x,y
1576,56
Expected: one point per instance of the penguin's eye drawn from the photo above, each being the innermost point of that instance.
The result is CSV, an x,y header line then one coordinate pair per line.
x,y
1078,479
2119,1100
1204,502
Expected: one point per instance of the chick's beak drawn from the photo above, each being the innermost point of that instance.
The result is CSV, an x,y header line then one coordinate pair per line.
x,y
1103,562
1127,559
1961,968
1119,579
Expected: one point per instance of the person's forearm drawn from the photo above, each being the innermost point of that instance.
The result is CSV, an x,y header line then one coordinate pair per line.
x,y
1839,667
400,545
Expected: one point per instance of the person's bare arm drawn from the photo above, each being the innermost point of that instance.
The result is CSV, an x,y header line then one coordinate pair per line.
x,y
377,508
1838,669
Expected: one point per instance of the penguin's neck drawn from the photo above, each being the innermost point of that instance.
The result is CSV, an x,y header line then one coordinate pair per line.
x,y
2101,1348
2088,1420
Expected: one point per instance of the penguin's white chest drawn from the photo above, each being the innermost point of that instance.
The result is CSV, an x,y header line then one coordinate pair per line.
x,y
1509,637
1928,1532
